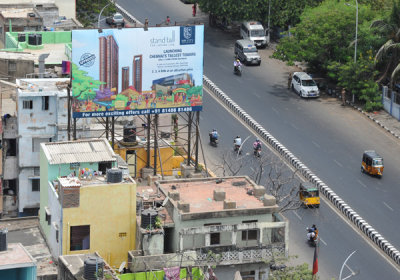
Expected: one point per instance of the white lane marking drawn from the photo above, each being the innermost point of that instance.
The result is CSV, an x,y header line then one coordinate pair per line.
x,y
276,111
295,127
256,94
338,163
361,183
388,206
297,215
323,241
316,144
348,267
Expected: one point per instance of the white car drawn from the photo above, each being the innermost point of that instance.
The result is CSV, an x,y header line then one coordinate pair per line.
x,y
304,85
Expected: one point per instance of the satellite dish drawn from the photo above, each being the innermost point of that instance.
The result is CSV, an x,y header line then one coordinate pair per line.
x,y
121,267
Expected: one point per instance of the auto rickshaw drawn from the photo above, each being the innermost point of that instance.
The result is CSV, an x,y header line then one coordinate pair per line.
x,y
372,163
309,195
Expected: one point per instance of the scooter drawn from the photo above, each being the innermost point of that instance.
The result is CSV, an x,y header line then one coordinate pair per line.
x,y
312,241
213,141
236,149
257,152
237,70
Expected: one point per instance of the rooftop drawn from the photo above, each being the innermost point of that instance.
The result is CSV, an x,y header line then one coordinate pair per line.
x,y
16,256
199,193
88,150
17,55
17,12
26,231
29,87
95,180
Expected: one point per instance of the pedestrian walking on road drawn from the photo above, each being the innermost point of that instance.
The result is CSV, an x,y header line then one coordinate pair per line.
x,y
343,96
194,9
289,82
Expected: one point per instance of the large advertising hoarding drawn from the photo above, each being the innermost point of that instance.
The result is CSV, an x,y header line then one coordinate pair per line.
x,y
131,71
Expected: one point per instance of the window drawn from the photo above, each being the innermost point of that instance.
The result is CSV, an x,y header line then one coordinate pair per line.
x,y
48,215
103,166
36,143
80,238
11,147
27,104
12,66
214,237
35,185
249,234
45,103
36,171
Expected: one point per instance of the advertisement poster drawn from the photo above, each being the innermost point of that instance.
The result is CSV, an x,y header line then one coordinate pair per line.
x,y
130,71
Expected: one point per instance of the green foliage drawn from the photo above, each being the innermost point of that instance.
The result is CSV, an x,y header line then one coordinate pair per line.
x,y
88,11
323,35
358,79
158,222
83,86
300,272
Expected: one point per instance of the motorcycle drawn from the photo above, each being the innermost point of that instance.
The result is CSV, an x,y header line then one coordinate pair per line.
x,y
312,240
257,152
236,149
237,70
213,141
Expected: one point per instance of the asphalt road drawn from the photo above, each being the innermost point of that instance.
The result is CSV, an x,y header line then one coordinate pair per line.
x,y
329,139
338,238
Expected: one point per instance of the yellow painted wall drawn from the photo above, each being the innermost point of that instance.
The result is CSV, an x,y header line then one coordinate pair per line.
x,y
109,209
141,158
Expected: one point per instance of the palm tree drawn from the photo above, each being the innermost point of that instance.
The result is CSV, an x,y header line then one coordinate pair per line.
x,y
388,56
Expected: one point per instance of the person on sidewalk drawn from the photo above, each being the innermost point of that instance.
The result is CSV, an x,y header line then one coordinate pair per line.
x,y
343,96
194,9
289,82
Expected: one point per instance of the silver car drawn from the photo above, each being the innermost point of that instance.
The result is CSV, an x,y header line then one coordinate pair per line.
x,y
246,52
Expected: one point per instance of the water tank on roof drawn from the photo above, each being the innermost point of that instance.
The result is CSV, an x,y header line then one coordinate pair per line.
x,y
3,240
114,175
21,37
93,268
35,39
130,132
148,218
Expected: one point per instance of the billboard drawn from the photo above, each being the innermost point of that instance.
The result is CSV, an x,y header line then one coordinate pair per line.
x,y
130,71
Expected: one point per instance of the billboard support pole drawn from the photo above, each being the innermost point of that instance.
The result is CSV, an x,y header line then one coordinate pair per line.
x,y
148,140
196,163
74,128
112,132
189,134
107,128
155,143
69,112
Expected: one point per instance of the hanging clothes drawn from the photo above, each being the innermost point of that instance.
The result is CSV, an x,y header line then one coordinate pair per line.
x,y
172,273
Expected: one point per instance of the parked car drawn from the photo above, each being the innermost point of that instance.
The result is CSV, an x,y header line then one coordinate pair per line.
x,y
246,51
116,20
304,85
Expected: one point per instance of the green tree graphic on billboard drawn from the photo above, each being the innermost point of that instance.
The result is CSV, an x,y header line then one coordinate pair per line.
x,y
83,86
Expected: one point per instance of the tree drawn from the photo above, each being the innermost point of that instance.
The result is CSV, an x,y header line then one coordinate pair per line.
x,y
299,272
88,11
268,171
388,56
323,35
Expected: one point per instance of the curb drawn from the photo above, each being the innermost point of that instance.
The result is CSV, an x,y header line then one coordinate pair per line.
x,y
339,203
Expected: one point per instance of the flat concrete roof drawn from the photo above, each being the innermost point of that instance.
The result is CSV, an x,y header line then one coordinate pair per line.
x,y
200,193
16,256
17,12
26,231
33,87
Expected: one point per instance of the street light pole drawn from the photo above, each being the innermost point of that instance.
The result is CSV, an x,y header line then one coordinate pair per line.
x,y
98,20
269,15
355,44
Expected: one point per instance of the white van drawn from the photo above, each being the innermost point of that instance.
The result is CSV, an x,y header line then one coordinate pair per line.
x,y
254,31
304,85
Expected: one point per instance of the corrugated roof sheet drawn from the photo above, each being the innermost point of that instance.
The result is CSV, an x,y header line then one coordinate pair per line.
x,y
96,150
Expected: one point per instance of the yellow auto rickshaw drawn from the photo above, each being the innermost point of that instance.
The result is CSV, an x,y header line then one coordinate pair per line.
x,y
309,194
372,163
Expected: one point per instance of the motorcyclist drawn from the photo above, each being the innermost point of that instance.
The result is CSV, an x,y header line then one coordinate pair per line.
x,y
237,142
312,233
257,145
236,64
214,135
